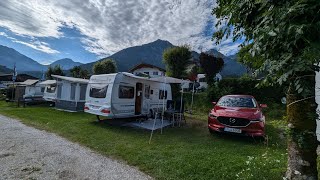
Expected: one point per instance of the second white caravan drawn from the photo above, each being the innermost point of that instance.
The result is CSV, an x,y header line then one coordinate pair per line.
x,y
123,95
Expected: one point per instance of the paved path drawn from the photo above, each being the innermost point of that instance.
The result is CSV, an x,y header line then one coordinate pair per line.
x,y
28,153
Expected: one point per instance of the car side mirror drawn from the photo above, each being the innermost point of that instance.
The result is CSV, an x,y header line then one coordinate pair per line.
x,y
263,106
214,103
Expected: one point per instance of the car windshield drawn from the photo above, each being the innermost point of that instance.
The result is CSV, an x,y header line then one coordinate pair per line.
x,y
229,101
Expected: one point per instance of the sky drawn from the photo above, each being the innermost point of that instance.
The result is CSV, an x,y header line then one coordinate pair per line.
x,y
85,31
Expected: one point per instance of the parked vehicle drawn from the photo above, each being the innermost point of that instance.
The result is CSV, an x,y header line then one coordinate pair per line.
x,y
70,93
50,92
123,95
237,114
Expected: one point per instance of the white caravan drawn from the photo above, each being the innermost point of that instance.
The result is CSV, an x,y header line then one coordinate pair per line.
x,y
201,79
123,95
50,92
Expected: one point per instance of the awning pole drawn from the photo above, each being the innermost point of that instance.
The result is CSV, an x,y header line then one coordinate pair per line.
x,y
181,100
164,95
192,98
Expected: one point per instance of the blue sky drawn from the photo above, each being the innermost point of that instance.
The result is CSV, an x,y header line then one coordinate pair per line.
x,y
89,30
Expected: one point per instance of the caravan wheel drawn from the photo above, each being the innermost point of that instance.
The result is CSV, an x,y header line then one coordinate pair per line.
x,y
98,118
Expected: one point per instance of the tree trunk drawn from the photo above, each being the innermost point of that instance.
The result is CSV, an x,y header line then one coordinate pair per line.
x,y
302,140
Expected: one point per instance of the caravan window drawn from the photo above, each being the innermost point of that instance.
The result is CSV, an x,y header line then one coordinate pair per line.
x,y
147,91
126,92
98,92
163,94
73,91
59,91
51,89
83,89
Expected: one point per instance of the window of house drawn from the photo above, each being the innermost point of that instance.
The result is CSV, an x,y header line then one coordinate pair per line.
x,y
202,80
73,91
126,92
98,91
155,73
146,73
163,94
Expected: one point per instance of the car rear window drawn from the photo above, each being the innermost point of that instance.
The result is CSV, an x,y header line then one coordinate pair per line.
x,y
98,91
229,101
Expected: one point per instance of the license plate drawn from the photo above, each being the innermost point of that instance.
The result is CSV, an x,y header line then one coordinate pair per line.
x,y
234,130
95,107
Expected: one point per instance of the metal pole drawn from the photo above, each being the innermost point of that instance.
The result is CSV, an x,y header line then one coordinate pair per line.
x,y
192,98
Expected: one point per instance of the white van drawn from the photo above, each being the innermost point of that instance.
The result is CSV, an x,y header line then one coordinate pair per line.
x,y
123,95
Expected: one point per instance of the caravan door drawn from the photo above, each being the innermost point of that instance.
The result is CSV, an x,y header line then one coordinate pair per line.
x,y
138,101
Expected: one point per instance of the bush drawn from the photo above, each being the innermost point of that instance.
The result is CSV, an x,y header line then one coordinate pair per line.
x,y
248,86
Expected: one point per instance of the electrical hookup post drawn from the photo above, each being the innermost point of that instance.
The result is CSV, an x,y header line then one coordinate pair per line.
x,y
14,77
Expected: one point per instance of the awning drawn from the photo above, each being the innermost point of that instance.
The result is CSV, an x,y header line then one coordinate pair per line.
x,y
29,82
48,82
71,79
169,80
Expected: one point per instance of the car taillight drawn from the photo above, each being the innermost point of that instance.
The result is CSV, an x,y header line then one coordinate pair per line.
x,y
212,116
106,111
86,108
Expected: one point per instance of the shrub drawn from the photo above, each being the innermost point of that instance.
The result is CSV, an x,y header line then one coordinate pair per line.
x,y
248,86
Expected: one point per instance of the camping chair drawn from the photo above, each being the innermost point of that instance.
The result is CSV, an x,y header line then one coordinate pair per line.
x,y
179,114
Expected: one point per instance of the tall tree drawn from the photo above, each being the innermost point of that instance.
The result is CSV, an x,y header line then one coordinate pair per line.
x,y
211,66
286,35
105,66
77,72
56,70
176,60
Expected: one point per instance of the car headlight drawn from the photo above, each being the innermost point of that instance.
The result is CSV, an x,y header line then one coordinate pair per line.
x,y
212,116
262,119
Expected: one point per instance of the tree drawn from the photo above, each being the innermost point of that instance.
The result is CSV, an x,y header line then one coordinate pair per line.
x,y
77,72
286,35
211,66
105,66
245,57
56,70
176,60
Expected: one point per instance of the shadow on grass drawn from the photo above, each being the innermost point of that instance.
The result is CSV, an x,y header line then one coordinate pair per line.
x,y
192,132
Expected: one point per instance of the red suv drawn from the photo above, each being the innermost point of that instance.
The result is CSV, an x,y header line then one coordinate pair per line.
x,y
237,114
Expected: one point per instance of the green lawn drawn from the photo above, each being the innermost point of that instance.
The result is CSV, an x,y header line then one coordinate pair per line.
x,y
189,152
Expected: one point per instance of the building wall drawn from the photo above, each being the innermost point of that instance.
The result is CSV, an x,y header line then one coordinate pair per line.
x,y
150,71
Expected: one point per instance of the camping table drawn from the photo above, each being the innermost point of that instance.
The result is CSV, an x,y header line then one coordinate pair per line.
x,y
171,112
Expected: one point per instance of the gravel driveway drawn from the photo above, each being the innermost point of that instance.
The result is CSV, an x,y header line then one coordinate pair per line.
x,y
28,153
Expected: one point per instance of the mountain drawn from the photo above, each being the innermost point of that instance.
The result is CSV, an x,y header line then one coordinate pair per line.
x,y
65,63
5,70
9,56
150,53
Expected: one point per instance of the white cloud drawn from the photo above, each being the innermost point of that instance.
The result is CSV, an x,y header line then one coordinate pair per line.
x,y
110,26
35,44
38,45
